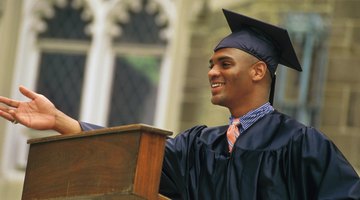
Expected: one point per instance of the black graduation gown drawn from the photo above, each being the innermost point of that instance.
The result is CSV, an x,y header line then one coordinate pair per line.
x,y
276,158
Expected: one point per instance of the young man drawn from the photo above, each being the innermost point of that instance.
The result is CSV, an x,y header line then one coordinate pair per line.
x,y
262,154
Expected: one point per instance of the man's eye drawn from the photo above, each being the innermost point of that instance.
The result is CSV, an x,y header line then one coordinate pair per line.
x,y
225,64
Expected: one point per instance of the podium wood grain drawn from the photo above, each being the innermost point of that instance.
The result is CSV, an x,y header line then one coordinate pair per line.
x,y
114,163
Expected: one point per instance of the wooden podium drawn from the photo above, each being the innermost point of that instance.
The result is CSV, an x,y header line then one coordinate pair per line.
x,y
113,163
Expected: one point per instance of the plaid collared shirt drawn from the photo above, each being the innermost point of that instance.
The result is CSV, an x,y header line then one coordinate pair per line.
x,y
252,116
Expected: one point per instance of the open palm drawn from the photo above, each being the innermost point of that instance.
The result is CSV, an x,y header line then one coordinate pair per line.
x,y
38,113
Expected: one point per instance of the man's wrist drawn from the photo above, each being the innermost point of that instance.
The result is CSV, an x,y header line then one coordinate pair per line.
x,y
65,124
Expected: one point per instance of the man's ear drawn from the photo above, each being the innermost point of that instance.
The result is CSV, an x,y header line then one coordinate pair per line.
x,y
259,71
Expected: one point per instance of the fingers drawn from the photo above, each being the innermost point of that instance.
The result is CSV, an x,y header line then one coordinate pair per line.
x,y
5,109
28,93
7,113
9,102
13,103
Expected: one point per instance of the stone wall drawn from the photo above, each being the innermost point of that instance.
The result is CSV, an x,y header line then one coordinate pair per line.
x,y
341,111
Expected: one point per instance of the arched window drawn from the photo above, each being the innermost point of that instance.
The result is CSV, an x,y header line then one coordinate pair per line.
x,y
137,73
99,61
62,57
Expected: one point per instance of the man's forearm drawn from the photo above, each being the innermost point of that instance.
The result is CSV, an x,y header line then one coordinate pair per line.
x,y
66,125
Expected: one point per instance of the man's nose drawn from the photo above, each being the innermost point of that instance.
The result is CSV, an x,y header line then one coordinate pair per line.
x,y
214,71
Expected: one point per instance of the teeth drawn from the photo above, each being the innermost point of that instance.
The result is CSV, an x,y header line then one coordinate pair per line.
x,y
213,85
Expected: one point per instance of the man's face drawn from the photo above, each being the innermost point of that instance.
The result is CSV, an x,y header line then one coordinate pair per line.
x,y
230,77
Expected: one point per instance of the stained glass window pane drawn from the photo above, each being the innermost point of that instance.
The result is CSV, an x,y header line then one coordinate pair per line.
x,y
66,24
141,28
134,90
60,79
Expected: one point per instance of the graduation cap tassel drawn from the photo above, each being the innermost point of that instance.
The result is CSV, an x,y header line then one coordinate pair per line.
x,y
272,90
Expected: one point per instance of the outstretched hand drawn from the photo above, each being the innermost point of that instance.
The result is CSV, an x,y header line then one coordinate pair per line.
x,y
37,113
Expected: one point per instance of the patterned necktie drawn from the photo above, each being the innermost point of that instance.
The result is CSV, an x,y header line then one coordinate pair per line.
x,y
233,132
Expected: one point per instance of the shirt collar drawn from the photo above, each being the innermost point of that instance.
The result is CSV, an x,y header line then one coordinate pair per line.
x,y
254,115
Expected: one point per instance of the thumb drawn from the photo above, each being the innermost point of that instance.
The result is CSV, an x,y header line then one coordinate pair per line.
x,y
28,93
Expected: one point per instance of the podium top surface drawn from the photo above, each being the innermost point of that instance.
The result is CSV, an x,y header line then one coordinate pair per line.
x,y
115,129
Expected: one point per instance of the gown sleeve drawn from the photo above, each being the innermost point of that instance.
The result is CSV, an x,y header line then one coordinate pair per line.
x,y
322,170
177,161
87,126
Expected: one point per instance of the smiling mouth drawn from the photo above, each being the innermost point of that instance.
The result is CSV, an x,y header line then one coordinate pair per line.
x,y
215,85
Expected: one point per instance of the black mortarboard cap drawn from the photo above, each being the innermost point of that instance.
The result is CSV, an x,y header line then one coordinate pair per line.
x,y
267,42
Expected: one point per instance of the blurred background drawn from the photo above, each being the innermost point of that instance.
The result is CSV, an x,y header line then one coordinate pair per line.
x,y
116,62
